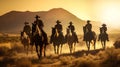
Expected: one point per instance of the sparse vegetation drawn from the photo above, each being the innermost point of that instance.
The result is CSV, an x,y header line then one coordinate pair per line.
x,y
23,62
102,58
117,44
4,39
4,51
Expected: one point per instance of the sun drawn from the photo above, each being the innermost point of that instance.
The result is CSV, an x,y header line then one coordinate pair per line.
x,y
111,16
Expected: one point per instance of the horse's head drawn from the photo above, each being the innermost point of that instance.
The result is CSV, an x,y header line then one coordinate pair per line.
x,y
38,31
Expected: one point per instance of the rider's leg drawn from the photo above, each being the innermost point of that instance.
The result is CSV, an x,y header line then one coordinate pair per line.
x,y
57,49
44,50
61,48
41,48
37,50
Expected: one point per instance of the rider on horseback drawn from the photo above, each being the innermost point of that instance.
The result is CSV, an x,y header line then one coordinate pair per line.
x,y
103,29
58,26
27,29
72,28
59,29
40,25
87,28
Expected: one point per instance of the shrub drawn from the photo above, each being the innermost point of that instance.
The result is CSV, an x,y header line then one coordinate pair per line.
x,y
4,51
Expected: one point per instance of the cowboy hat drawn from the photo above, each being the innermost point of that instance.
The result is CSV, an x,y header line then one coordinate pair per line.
x,y
70,22
88,20
58,21
37,16
103,24
26,23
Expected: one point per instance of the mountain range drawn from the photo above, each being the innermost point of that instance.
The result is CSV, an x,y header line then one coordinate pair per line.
x,y
13,21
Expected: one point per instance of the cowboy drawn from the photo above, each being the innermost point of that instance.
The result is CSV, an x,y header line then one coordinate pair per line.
x,y
72,28
88,26
58,26
104,30
40,25
27,29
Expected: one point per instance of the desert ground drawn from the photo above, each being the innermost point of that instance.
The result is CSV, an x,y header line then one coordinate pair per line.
x,y
12,54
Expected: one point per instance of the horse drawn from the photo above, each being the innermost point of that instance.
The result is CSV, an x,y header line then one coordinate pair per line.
x,y
71,40
38,39
103,39
90,37
57,39
25,40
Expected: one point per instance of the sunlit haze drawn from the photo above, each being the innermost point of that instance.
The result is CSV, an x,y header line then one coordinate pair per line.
x,y
105,11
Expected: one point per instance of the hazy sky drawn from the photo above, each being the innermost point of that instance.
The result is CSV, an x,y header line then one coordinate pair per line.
x,y
106,11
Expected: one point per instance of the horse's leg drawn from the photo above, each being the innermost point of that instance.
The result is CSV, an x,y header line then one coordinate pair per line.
x,y
70,48
44,50
61,48
37,50
94,44
57,49
27,48
74,46
41,48
104,44
88,45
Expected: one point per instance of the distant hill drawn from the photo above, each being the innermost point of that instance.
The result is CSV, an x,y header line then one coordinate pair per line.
x,y
13,22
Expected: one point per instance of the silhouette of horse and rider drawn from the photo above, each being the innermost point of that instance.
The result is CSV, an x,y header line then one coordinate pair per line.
x,y
25,36
71,37
57,38
89,35
103,36
38,37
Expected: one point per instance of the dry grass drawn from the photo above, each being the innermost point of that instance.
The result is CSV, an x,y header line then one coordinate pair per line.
x,y
4,51
107,58
23,62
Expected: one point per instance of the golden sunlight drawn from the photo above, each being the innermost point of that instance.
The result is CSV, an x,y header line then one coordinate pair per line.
x,y
111,16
